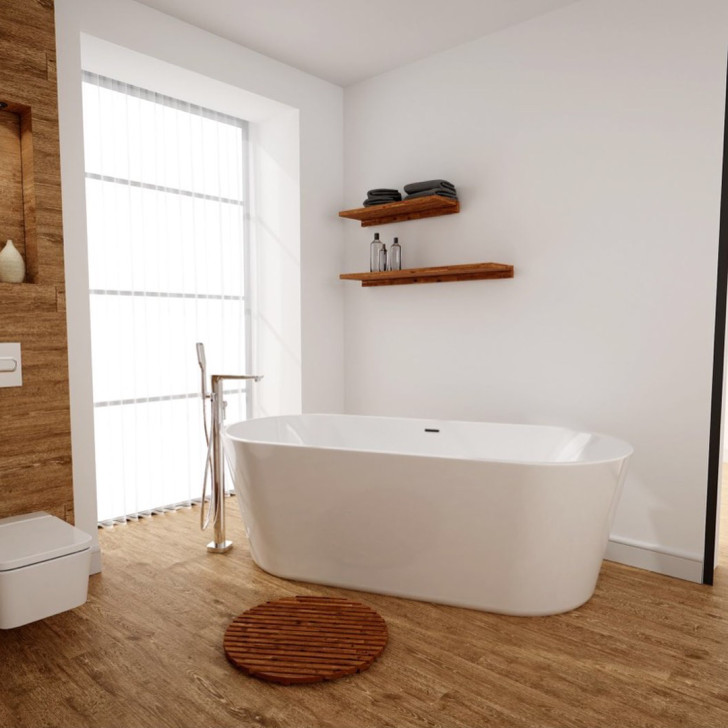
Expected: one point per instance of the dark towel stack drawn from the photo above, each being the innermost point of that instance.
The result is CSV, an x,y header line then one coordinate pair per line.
x,y
431,187
382,196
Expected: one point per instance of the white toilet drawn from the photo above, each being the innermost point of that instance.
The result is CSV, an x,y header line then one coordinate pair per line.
x,y
44,567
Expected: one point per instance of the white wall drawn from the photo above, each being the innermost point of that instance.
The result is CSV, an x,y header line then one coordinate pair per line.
x,y
276,251
298,150
586,145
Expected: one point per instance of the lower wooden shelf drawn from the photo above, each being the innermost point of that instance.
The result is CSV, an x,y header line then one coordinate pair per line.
x,y
29,298
438,274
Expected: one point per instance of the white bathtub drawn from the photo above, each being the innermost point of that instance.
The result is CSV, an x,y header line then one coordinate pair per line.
x,y
504,518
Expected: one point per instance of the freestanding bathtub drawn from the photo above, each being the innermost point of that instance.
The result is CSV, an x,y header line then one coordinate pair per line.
x,y
503,518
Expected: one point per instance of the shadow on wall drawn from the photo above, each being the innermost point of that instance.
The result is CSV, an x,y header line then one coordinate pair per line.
x,y
276,263
650,554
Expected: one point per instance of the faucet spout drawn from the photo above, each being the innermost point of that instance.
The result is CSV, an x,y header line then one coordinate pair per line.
x,y
222,377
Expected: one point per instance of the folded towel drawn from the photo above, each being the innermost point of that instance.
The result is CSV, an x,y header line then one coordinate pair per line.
x,y
369,203
385,197
451,194
429,185
382,199
382,191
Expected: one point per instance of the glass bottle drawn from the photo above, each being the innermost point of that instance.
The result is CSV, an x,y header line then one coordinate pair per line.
x,y
375,248
394,259
383,258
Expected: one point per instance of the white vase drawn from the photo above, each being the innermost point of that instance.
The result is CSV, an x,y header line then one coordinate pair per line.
x,y
12,265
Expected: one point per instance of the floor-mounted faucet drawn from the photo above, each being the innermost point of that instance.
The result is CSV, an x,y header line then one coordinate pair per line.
x,y
214,462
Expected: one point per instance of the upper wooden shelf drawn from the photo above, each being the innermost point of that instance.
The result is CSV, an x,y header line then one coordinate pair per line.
x,y
419,207
439,274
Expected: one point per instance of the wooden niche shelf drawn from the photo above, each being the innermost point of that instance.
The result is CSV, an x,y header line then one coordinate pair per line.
x,y
439,274
419,207
17,188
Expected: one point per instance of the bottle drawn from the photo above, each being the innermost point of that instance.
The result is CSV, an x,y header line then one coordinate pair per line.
x,y
383,258
394,259
12,265
374,250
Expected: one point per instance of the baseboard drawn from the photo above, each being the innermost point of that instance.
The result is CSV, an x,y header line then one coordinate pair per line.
x,y
654,558
95,566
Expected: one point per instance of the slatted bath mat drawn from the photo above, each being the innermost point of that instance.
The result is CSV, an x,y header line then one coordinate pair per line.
x,y
305,639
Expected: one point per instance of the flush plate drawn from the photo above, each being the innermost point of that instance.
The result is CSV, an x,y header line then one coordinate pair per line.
x,y
11,367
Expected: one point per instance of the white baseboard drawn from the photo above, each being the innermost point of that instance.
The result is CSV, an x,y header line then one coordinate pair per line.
x,y
654,558
95,566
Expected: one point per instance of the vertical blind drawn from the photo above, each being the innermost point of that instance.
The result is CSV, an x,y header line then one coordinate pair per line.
x,y
166,208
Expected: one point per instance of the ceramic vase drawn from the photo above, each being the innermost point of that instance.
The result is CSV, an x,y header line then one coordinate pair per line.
x,y
12,265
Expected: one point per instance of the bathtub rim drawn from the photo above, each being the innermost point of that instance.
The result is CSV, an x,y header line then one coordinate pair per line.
x,y
627,448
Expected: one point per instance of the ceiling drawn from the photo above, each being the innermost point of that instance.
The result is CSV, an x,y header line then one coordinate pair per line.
x,y
344,41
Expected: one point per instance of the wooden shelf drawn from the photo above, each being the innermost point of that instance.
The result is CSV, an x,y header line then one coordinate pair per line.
x,y
415,209
419,207
29,298
439,274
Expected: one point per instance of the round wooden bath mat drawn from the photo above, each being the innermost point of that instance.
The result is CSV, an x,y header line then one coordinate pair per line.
x,y
305,639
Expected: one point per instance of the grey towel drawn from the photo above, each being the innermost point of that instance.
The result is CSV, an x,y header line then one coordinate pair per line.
x,y
369,203
451,194
382,191
381,199
430,184
385,197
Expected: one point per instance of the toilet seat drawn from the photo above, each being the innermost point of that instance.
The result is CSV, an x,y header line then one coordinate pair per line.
x,y
37,537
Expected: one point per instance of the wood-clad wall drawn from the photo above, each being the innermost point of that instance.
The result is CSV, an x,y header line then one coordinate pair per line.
x,y
35,431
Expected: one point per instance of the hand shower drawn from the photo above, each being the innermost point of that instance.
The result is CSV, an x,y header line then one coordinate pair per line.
x,y
203,366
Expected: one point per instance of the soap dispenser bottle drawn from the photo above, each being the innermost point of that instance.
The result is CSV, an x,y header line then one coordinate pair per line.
x,y
394,258
374,254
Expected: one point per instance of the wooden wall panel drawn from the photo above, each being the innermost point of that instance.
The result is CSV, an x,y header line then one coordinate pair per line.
x,y
35,432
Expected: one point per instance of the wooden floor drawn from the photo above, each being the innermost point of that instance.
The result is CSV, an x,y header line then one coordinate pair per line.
x,y
146,650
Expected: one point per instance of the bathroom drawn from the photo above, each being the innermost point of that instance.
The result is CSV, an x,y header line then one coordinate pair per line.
x,y
586,144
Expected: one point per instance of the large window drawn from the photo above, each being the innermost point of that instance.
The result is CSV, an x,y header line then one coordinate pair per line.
x,y
166,207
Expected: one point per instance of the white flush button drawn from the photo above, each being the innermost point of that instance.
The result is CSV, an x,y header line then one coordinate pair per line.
x,y
10,366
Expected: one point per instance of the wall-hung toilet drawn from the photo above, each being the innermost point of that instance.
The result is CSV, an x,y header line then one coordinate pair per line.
x,y
44,567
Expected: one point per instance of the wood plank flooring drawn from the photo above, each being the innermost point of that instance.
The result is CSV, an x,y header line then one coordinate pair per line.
x,y
146,650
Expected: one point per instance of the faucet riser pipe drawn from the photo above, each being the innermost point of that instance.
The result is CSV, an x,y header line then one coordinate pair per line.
x,y
219,544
